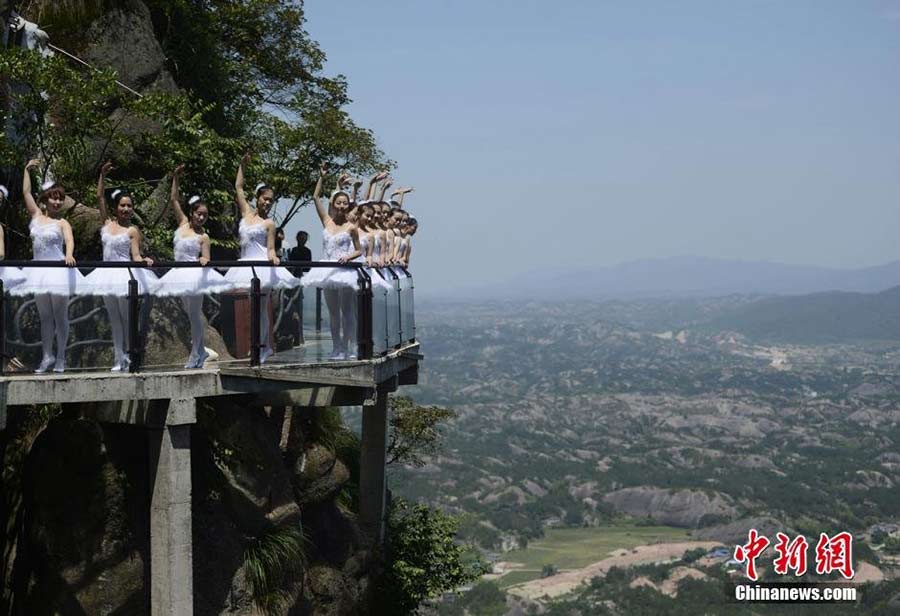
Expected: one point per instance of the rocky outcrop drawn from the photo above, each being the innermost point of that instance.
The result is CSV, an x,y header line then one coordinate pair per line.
x,y
83,522
735,533
85,514
141,63
684,508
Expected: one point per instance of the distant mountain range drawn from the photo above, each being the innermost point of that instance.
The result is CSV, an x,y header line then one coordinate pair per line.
x,y
817,318
688,276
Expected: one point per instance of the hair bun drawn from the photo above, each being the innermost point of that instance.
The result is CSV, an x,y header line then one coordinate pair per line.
x,y
260,187
48,185
193,199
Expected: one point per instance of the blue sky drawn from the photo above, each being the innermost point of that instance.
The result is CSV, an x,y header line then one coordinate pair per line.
x,y
541,135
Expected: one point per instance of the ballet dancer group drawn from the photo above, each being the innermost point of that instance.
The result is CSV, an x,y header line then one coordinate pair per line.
x,y
371,231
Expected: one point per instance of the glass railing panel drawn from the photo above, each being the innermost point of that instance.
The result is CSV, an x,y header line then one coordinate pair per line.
x,y
393,310
407,320
298,327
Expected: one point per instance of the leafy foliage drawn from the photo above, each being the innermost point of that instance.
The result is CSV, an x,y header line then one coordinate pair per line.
x,y
251,79
422,560
274,562
414,430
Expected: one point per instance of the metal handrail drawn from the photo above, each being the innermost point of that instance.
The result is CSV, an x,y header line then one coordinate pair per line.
x,y
364,324
174,264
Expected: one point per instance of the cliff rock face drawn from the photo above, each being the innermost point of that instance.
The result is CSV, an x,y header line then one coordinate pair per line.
x,y
685,508
75,497
83,523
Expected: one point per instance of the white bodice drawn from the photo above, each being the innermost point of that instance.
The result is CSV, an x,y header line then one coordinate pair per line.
x,y
187,248
254,241
363,245
336,246
116,247
47,241
376,249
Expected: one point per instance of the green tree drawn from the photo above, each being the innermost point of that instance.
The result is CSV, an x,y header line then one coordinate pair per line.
x,y
414,430
422,559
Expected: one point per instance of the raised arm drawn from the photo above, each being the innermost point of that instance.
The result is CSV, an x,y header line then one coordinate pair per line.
x,y
387,184
239,186
373,181
342,181
402,193
321,210
30,204
101,191
356,184
2,245
175,196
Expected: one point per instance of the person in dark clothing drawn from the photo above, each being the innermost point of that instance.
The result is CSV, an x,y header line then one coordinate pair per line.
x,y
300,252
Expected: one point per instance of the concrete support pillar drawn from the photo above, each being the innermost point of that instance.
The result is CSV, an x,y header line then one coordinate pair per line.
x,y
3,389
171,550
372,462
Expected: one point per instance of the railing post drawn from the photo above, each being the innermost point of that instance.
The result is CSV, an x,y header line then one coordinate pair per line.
x,y
2,328
399,310
255,302
318,309
412,306
134,351
364,315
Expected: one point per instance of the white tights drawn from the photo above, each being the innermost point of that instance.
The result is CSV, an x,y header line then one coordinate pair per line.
x,y
264,305
53,311
341,316
117,307
193,305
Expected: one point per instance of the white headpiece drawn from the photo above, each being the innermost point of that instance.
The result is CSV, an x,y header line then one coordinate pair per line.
x,y
4,191
259,187
193,199
114,195
48,185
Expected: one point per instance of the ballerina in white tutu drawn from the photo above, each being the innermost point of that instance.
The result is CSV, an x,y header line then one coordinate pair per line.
x,y
52,240
412,225
369,243
340,243
370,246
192,283
121,242
11,276
257,235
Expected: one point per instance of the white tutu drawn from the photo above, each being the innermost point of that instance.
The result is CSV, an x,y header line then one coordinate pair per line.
x,y
192,281
334,246
11,277
330,278
379,282
48,245
270,277
254,242
60,280
114,281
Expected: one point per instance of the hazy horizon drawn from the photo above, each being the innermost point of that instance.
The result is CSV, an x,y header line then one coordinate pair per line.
x,y
588,134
